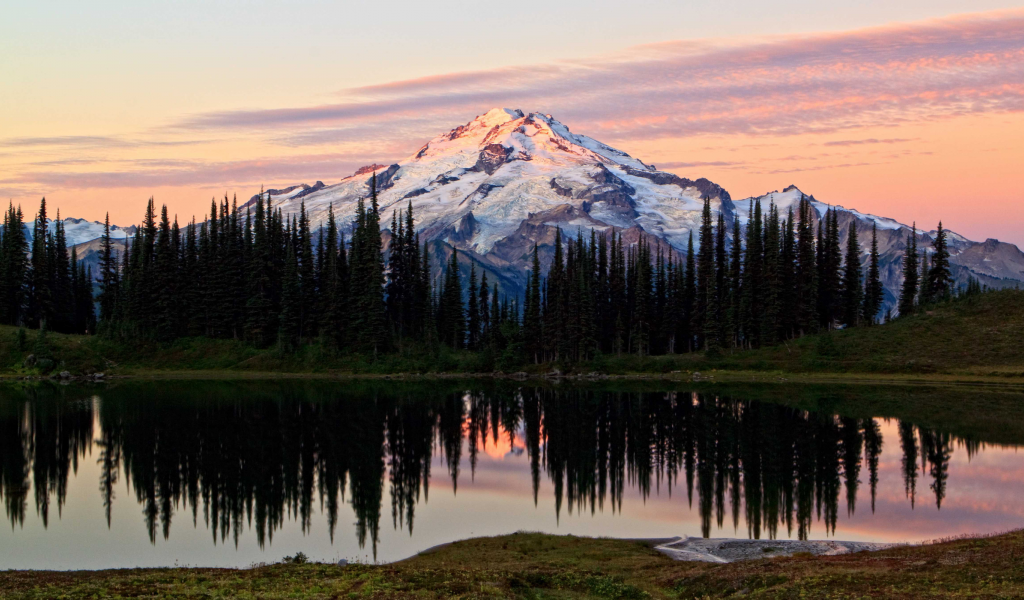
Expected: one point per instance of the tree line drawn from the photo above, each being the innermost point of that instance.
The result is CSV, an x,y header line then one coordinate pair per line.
x,y
256,275
42,285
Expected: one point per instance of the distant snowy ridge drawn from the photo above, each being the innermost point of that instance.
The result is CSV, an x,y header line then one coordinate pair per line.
x,y
80,231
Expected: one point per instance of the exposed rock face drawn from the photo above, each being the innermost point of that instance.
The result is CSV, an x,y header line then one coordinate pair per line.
x,y
492,157
561,191
368,169
462,232
993,258
707,188
385,179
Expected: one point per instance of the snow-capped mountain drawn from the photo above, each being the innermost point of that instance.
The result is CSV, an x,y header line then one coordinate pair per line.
x,y
505,180
478,185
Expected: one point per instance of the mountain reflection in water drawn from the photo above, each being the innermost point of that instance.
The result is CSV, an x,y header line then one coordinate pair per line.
x,y
235,456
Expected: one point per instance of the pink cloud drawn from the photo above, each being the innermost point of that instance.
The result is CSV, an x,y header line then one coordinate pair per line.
x,y
792,85
151,173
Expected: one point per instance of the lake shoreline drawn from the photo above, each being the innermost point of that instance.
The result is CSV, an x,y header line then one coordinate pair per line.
x,y
524,564
695,377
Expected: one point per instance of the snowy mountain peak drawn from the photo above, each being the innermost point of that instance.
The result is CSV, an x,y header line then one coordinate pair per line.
x,y
521,136
498,116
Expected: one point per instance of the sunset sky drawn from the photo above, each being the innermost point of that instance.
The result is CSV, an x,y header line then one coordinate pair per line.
x,y
911,109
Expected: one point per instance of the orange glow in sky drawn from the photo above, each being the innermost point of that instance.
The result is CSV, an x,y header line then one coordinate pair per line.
x,y
918,119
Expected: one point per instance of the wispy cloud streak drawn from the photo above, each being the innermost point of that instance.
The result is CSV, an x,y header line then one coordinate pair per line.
x,y
152,173
793,85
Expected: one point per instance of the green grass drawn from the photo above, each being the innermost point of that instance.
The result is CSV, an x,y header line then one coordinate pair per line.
x,y
86,354
543,566
979,336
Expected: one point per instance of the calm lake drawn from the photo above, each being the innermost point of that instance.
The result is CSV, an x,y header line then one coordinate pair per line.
x,y
232,473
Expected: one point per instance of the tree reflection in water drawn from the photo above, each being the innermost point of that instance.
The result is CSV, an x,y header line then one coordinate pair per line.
x,y
258,455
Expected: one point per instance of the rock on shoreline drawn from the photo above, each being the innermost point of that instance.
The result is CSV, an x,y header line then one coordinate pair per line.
x,y
726,550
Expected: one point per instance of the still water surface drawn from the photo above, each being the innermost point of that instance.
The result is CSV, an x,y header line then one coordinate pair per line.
x,y
236,473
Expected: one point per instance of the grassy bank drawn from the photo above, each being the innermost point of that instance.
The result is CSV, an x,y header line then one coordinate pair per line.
x,y
544,566
979,336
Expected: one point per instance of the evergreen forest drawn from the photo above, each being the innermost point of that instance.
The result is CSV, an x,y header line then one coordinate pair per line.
x,y
271,280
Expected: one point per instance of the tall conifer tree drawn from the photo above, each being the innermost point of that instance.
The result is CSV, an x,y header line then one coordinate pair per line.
x,y
771,280
806,297
853,292
940,278
705,305
108,273
472,310
14,267
40,299
873,290
908,291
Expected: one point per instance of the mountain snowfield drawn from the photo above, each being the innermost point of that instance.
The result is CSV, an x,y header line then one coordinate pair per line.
x,y
505,180
78,231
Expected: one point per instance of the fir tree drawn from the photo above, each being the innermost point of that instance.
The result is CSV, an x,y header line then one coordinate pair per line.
x,y
770,280
424,307
451,319
705,305
853,292
735,285
532,311
806,272
165,276
367,278
472,310
908,291
333,286
40,302
753,279
485,312
940,278
14,267
924,294
109,276
307,280
830,288
290,319
555,299
497,337
689,318
722,288
412,310
259,325
641,301
81,284
60,280
788,316
873,290
618,294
